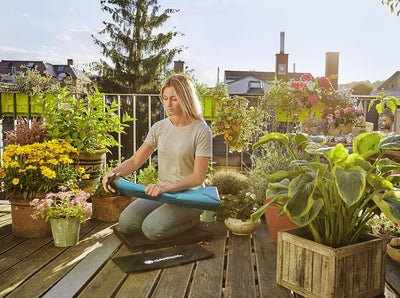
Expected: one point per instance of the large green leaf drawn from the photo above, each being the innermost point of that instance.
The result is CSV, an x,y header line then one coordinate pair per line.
x,y
354,160
275,136
278,189
315,148
379,183
300,190
389,204
284,174
350,183
260,211
301,138
390,143
310,215
367,144
386,165
338,154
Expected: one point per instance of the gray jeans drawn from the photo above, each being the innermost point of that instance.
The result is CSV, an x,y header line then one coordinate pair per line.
x,y
157,220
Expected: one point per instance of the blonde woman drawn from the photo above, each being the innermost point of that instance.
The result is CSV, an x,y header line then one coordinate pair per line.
x,y
184,144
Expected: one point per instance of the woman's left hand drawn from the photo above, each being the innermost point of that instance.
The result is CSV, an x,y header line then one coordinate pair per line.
x,y
154,190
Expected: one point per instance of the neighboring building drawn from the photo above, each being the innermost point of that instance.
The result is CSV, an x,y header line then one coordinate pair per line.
x,y
391,86
79,80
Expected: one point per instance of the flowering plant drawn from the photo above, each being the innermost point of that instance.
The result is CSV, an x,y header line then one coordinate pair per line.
x,y
334,117
235,121
239,206
66,203
384,225
37,168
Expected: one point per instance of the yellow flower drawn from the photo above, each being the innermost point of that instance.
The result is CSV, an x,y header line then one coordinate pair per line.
x,y
53,161
86,176
48,172
15,181
81,170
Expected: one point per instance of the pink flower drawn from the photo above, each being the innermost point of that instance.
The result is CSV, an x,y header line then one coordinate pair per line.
x,y
306,77
324,83
313,99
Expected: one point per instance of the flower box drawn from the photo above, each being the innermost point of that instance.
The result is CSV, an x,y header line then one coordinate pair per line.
x,y
315,270
109,208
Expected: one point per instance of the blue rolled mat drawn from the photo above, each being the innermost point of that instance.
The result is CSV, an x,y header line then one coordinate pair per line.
x,y
206,198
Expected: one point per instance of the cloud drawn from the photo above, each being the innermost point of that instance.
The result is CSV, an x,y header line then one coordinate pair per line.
x,y
25,14
64,37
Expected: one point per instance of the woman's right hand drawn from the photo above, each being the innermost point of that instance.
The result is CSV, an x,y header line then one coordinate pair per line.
x,y
107,176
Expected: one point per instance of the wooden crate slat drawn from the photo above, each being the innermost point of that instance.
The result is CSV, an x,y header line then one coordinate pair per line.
x,y
82,273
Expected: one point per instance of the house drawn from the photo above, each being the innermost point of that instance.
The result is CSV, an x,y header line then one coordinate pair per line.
x,y
79,80
391,86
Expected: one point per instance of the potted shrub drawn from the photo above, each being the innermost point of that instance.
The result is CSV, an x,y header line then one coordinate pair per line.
x,y
87,124
65,209
108,206
237,202
334,198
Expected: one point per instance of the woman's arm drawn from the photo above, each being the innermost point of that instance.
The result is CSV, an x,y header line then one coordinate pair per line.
x,y
196,178
130,165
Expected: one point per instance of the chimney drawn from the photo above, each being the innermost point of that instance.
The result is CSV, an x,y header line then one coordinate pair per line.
x,y
282,59
70,62
179,66
332,67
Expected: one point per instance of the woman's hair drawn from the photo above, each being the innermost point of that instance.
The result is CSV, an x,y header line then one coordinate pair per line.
x,y
185,94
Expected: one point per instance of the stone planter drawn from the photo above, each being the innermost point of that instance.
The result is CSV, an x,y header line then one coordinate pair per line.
x,y
109,208
311,269
65,231
92,163
341,129
240,227
23,225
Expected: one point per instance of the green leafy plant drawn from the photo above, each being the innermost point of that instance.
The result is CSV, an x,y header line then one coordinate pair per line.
x,y
239,206
383,100
85,123
66,203
148,175
339,193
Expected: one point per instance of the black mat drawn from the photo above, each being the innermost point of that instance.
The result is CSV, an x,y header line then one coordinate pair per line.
x,y
163,258
138,241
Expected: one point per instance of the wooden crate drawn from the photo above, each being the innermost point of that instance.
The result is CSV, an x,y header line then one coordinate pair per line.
x,y
315,270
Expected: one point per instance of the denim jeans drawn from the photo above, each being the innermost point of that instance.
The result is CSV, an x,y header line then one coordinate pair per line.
x,y
157,220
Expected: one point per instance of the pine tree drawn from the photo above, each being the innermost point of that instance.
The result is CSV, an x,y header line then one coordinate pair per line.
x,y
138,56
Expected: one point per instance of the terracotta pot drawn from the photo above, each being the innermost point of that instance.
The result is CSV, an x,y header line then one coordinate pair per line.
x,y
109,208
240,227
92,163
276,223
23,225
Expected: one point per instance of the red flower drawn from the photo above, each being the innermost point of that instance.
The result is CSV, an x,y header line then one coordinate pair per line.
x,y
324,83
313,99
306,77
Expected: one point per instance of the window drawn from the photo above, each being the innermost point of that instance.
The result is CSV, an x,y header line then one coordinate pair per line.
x,y
60,69
10,65
30,64
255,84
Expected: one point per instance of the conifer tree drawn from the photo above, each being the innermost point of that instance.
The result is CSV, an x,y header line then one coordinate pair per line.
x,y
138,55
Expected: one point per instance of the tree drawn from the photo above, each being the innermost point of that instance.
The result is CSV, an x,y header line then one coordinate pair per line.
x,y
138,56
361,89
393,4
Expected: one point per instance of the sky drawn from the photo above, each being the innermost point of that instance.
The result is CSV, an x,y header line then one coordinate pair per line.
x,y
220,35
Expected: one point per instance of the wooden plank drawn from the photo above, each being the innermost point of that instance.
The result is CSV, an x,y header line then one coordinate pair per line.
x,y
174,281
10,241
265,254
108,279
5,228
208,276
240,268
19,273
81,273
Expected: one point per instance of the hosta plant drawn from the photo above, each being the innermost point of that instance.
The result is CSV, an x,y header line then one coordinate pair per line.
x,y
339,193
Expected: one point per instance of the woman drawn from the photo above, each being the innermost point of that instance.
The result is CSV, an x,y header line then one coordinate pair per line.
x,y
184,144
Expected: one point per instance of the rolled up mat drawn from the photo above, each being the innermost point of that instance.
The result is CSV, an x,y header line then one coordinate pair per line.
x,y
206,198
163,258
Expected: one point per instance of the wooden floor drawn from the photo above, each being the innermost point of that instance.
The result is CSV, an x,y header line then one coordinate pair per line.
x,y
241,267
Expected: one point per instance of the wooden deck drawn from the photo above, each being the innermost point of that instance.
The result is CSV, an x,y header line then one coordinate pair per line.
x,y
242,267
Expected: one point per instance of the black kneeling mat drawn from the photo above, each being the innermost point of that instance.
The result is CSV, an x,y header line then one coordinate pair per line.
x,y
163,258
138,241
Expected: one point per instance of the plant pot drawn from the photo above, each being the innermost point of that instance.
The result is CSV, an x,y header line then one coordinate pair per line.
x,y
23,225
311,269
240,227
65,231
109,208
92,163
276,223
341,129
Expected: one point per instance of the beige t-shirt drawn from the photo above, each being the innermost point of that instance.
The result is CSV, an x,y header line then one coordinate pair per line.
x,y
178,146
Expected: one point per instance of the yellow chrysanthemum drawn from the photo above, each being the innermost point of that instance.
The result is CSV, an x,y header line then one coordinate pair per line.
x,y
15,181
86,176
48,172
81,170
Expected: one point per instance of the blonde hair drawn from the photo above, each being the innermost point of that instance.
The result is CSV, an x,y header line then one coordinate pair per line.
x,y
185,94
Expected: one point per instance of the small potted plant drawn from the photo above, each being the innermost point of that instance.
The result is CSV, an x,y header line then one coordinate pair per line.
x,y
108,206
87,124
65,209
333,198
384,227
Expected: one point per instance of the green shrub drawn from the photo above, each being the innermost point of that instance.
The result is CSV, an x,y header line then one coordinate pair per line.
x,y
148,176
230,182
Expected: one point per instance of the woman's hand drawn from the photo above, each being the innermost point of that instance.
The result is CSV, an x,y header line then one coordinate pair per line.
x,y
154,190
105,179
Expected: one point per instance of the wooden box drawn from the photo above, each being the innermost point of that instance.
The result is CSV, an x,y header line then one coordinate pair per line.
x,y
109,208
315,270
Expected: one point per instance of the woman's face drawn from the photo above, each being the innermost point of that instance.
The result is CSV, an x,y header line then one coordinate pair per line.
x,y
171,103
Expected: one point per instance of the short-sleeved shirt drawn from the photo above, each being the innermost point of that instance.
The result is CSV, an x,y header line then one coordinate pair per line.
x,y
178,146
